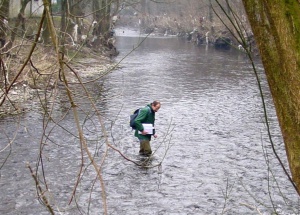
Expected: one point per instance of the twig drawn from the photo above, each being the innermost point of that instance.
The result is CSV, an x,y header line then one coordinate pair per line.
x,y
40,191
251,207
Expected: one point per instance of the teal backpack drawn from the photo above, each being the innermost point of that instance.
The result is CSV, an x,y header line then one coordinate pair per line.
x,y
133,117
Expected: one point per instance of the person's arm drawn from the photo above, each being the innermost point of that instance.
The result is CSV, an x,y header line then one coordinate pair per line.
x,y
154,134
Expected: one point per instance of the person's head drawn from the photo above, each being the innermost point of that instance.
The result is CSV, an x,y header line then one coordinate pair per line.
x,y
155,106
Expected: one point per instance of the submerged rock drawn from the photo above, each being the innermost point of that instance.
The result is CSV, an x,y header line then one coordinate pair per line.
x,y
223,43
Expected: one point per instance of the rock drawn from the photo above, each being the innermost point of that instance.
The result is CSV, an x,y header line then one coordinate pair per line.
x,y
223,43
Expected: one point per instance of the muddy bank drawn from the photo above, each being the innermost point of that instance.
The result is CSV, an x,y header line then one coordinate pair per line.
x,y
199,30
34,88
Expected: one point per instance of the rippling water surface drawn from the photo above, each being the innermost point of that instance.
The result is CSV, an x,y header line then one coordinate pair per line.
x,y
212,139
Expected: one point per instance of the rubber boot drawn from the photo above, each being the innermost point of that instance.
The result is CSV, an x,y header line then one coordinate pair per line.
x,y
145,148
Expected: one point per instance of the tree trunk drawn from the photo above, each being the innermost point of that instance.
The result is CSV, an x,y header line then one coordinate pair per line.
x,y
4,6
143,13
276,24
98,16
20,20
77,11
101,16
46,31
105,16
63,25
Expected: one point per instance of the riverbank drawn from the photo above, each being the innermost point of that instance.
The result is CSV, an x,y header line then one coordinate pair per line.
x,y
199,30
40,77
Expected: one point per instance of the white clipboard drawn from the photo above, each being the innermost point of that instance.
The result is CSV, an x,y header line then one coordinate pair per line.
x,y
148,128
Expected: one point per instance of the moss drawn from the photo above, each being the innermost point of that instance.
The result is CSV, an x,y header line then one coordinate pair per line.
x,y
277,35
292,15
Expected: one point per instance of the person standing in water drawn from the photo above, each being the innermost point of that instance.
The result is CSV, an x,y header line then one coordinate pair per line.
x,y
146,116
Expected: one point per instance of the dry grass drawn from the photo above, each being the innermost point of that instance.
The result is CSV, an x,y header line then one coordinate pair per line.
x,y
41,73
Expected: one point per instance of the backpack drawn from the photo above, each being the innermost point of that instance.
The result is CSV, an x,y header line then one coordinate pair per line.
x,y
133,117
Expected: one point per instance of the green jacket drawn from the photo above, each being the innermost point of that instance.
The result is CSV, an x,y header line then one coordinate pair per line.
x,y
145,116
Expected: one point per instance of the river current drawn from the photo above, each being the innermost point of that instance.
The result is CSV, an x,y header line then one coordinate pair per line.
x,y
212,143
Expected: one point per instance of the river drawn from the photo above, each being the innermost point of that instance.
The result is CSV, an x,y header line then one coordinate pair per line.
x,y
212,140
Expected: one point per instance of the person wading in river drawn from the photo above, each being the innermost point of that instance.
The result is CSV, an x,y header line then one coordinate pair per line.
x,y
146,116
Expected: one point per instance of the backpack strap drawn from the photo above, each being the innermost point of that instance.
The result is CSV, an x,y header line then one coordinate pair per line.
x,y
149,109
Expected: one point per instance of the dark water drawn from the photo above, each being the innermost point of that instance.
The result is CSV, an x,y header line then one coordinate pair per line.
x,y
213,144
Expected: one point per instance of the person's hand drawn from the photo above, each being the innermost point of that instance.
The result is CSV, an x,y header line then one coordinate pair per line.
x,y
144,132
155,135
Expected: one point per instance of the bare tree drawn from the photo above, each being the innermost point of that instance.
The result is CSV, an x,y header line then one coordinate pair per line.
x,y
4,5
101,16
20,20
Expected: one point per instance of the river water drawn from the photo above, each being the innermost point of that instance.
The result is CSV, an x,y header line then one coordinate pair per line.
x,y
212,140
